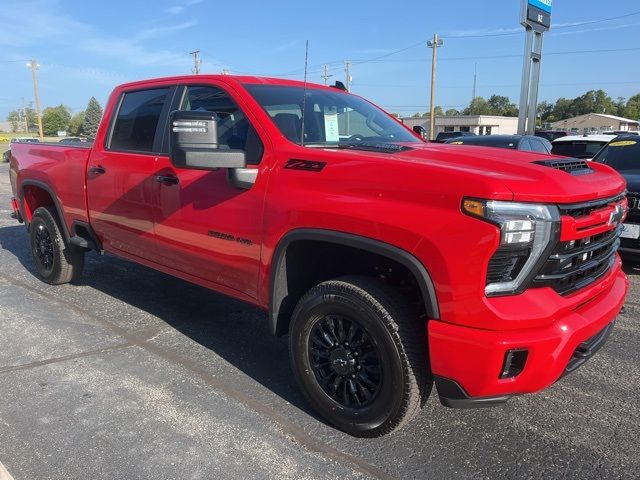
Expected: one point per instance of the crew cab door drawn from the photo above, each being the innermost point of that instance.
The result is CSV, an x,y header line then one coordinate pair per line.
x,y
121,184
205,226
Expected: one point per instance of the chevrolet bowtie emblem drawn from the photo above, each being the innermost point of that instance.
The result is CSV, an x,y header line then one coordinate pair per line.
x,y
616,216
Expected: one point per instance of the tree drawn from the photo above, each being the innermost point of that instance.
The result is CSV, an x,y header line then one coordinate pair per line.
x,y
438,111
55,119
93,115
452,112
16,119
501,105
75,124
478,106
632,109
545,110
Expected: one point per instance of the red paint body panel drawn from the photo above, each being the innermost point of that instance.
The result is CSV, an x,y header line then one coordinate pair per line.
x,y
410,200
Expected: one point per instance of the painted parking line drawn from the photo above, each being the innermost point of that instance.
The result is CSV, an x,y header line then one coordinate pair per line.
x,y
4,474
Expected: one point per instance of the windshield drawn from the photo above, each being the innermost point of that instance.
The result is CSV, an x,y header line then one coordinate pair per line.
x,y
331,119
622,155
577,149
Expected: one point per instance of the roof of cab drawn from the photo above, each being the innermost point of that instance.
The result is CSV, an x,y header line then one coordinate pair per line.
x,y
238,79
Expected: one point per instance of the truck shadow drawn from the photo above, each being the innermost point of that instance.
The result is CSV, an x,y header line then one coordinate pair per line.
x,y
232,330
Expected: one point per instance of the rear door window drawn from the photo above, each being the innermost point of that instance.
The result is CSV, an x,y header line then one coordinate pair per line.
x,y
137,120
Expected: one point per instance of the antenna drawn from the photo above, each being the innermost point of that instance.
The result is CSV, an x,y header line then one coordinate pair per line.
x,y
304,92
475,79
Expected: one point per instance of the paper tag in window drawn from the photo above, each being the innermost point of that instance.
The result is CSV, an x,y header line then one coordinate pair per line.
x,y
332,133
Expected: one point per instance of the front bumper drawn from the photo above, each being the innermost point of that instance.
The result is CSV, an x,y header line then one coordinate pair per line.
x,y
468,362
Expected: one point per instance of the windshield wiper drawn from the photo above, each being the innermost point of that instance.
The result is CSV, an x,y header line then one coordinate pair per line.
x,y
367,146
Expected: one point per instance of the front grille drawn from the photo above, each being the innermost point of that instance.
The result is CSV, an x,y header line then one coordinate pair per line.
x,y
587,208
574,167
574,265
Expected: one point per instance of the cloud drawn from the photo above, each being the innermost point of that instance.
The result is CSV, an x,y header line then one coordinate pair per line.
x,y
163,30
181,6
27,22
482,31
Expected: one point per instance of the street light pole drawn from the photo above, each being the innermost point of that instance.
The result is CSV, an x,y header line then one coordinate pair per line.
x,y
33,65
435,44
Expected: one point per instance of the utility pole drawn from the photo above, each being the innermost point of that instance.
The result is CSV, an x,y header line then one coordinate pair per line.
x,y
33,65
196,62
347,71
25,114
325,74
435,44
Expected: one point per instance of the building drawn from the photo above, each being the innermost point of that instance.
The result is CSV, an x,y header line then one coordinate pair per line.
x,y
478,124
596,122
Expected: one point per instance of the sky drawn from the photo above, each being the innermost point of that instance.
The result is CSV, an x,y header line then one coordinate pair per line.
x,y
85,48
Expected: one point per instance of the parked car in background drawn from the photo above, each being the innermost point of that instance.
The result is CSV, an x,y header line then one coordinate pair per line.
x,y
551,135
584,147
623,155
525,143
444,136
76,140
25,140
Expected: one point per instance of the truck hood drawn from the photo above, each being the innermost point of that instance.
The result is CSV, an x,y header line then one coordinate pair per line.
x,y
528,181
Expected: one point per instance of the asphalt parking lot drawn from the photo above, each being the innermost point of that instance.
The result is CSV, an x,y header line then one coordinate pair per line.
x,y
134,374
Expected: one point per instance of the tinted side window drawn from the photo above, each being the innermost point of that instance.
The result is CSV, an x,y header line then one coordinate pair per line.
x,y
234,130
137,120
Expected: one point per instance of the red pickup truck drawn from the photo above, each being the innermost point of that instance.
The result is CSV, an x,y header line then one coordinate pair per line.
x,y
391,264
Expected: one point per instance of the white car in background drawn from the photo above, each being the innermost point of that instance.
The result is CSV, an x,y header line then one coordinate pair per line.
x,y
584,147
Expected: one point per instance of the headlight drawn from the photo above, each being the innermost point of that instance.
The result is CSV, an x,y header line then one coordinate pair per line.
x,y
527,231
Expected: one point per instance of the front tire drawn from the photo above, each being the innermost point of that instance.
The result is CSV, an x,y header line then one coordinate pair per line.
x,y
358,352
55,261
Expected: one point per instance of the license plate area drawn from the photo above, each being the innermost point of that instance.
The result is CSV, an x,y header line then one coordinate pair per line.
x,y
629,230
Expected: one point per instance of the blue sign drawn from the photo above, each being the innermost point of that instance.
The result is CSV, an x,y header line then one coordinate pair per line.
x,y
544,5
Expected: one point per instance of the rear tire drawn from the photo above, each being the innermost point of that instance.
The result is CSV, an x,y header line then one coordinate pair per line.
x,y
359,354
55,261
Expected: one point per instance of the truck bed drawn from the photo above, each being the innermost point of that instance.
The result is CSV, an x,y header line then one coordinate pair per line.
x,y
48,164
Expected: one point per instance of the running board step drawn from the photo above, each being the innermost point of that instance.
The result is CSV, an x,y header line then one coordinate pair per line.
x,y
82,242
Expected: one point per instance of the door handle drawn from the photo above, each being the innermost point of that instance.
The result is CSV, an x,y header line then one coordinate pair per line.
x,y
167,180
97,170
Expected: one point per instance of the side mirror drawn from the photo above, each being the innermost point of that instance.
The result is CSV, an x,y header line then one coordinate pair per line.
x,y
420,130
194,142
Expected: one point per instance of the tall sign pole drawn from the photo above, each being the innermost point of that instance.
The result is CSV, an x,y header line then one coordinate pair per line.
x,y
535,17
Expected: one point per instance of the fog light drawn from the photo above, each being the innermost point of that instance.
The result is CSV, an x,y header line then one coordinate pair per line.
x,y
514,361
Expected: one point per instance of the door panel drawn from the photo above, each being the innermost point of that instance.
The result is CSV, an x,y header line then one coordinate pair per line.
x,y
204,226
121,202
209,229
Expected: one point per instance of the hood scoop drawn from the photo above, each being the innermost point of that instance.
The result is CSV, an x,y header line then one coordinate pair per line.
x,y
572,166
